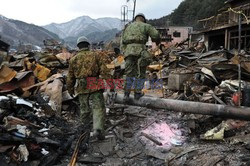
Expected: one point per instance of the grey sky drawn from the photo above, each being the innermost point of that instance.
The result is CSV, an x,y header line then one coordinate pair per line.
x,y
42,12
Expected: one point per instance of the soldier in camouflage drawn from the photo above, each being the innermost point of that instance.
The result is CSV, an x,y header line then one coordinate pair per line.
x,y
84,65
137,58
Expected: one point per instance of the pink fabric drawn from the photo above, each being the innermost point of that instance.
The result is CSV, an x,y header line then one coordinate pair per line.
x,y
164,133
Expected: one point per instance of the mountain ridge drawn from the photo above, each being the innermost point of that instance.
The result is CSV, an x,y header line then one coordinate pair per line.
x,y
17,32
86,26
189,12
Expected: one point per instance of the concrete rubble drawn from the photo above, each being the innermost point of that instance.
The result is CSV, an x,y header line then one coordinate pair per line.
x,y
39,120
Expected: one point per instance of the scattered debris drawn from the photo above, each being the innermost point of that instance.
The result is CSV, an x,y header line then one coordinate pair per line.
x,y
39,119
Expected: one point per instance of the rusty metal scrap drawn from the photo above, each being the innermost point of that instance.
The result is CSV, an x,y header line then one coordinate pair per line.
x,y
6,74
10,120
23,121
21,80
41,72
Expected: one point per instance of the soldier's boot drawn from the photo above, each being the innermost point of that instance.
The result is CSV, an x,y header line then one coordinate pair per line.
x,y
126,97
138,95
99,134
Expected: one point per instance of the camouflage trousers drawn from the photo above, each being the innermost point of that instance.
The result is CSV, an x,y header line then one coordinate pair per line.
x,y
92,106
135,71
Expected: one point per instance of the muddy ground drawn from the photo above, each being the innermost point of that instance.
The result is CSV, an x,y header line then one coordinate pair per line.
x,y
124,144
134,136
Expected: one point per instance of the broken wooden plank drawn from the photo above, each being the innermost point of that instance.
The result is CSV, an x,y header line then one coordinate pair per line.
x,y
134,154
151,138
5,148
149,124
119,135
11,120
135,115
77,148
116,123
218,99
184,152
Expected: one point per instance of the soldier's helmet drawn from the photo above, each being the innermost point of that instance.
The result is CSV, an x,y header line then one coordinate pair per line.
x,y
142,15
82,39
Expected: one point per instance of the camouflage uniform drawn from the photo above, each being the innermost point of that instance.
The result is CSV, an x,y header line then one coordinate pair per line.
x,y
137,58
88,64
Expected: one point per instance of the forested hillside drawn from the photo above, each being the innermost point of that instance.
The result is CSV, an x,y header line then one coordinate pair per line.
x,y
188,12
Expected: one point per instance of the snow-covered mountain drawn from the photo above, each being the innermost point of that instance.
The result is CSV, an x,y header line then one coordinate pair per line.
x,y
86,26
15,32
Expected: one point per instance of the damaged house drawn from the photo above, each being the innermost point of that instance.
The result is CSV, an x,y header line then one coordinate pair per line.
x,y
179,33
222,30
172,35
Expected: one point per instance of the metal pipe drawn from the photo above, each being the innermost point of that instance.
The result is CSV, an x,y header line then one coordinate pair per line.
x,y
134,10
239,38
188,107
239,66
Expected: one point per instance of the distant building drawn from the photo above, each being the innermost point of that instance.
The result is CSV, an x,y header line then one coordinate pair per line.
x,y
222,30
165,37
179,34
173,34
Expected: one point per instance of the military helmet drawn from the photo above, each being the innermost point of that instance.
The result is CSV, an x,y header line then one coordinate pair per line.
x,y
82,39
142,15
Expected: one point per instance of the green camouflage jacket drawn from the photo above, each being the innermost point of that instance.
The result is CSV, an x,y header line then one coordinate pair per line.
x,y
84,65
135,36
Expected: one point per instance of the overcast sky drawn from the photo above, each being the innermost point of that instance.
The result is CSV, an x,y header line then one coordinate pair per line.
x,y
42,12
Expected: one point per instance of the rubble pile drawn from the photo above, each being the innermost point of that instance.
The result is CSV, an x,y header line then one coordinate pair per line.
x,y
33,106
210,77
39,125
38,118
28,136
139,136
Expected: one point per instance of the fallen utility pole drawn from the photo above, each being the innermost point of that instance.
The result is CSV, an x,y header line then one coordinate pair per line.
x,y
188,107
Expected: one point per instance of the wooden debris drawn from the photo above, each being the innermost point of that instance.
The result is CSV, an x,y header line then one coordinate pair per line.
x,y
218,99
77,148
134,154
149,124
135,115
119,135
151,138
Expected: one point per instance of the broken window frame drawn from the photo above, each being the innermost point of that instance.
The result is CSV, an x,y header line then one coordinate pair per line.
x,y
177,34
